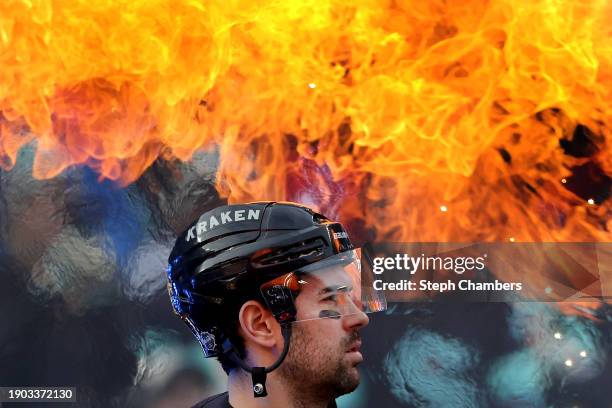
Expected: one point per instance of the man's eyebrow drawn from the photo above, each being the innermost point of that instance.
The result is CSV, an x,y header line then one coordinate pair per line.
x,y
336,288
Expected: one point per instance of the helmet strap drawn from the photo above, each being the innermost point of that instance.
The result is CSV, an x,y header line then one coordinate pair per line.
x,y
259,374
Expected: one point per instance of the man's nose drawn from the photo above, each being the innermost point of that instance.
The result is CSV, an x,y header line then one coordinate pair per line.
x,y
356,319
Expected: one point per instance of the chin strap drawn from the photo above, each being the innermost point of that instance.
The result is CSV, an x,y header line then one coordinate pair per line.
x,y
259,374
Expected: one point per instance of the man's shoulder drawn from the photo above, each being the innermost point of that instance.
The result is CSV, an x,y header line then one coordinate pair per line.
x,y
216,401
222,401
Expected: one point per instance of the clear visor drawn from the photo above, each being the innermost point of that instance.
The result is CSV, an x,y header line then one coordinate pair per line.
x,y
332,288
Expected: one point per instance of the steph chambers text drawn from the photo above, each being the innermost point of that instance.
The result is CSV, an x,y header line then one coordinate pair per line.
x,y
462,285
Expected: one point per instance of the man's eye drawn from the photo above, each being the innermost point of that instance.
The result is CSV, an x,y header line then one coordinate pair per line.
x,y
330,298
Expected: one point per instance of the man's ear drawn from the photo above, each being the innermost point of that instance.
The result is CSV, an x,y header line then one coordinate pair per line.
x,y
258,325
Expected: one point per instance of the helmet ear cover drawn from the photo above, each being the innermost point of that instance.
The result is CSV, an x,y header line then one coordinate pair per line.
x,y
209,315
213,323
279,295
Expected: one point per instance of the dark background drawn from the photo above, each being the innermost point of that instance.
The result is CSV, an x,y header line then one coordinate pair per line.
x,y
83,304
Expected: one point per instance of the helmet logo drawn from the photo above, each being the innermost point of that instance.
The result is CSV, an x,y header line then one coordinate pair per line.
x,y
225,217
208,341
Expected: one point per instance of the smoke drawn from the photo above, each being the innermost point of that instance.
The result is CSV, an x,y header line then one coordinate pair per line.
x,y
570,348
79,258
144,275
558,354
427,369
87,242
76,268
518,379
171,372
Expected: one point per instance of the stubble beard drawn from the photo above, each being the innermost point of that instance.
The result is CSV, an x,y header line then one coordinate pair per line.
x,y
316,371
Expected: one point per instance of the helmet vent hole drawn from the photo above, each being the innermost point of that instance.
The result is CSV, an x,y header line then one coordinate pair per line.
x,y
303,249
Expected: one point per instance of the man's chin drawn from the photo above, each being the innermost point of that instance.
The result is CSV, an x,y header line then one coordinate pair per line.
x,y
350,379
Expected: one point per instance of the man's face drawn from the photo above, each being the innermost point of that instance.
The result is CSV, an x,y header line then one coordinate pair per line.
x,y
324,348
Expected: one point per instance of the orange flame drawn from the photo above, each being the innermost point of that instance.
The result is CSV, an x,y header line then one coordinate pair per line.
x,y
440,121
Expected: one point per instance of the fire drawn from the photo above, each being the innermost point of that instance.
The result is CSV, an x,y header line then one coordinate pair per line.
x,y
429,121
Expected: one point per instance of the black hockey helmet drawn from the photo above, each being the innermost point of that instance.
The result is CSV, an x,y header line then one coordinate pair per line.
x,y
262,251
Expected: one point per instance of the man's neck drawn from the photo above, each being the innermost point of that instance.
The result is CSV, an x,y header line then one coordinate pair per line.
x,y
280,394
